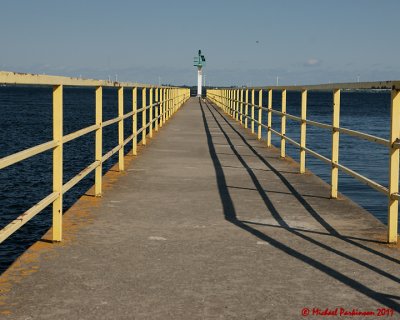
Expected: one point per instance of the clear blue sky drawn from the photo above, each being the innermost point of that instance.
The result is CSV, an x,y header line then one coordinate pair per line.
x,y
301,41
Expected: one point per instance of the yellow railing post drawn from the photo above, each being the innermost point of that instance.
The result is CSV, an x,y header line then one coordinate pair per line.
x,y
227,102
165,104
172,102
394,152
233,103
269,120
252,111
224,101
335,143
232,106
175,95
164,94
121,164
151,113
236,105
134,121
303,127
99,142
144,120
259,128
283,124
157,108
178,99
169,104
230,102
161,107
241,106
58,161
246,108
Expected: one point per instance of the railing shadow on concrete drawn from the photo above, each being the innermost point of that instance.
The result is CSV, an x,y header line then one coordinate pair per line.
x,y
300,198
159,103
237,104
231,216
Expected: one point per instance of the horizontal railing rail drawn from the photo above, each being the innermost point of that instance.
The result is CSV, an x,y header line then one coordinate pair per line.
x,y
162,103
235,102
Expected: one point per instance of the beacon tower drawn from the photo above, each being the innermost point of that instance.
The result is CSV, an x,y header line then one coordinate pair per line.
x,y
199,62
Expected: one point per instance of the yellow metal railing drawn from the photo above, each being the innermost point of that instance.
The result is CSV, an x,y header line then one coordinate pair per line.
x,y
163,102
235,102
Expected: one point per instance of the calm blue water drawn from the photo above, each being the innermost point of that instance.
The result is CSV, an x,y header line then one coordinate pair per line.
x,y
26,121
365,111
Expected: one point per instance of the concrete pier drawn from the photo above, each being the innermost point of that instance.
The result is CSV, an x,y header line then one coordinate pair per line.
x,y
207,223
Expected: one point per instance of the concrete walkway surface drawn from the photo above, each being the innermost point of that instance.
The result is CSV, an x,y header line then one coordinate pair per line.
x,y
208,223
